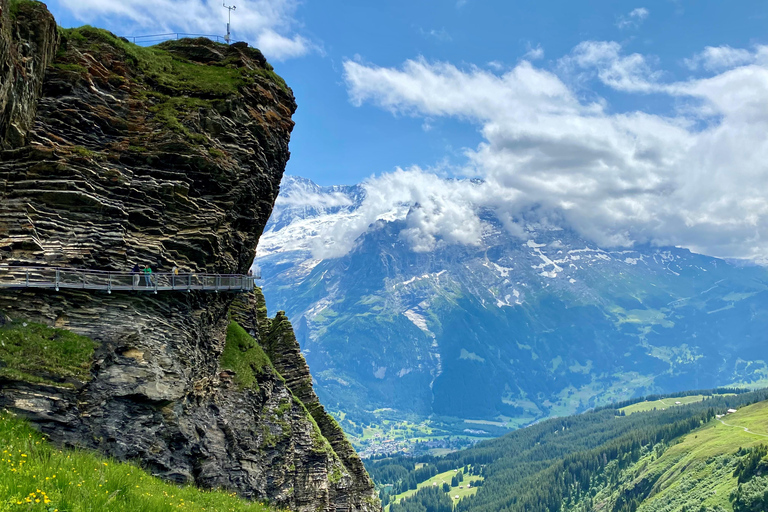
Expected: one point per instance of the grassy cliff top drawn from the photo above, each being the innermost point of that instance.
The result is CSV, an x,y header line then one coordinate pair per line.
x,y
196,67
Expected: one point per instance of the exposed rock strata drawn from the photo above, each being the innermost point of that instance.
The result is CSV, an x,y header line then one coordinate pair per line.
x,y
142,157
278,339
28,43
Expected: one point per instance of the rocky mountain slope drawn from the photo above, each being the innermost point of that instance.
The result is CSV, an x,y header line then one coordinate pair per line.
x,y
503,333
171,156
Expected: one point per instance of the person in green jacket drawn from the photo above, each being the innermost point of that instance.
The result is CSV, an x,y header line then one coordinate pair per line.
x,y
148,276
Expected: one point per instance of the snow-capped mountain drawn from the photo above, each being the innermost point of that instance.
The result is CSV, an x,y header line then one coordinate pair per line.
x,y
518,325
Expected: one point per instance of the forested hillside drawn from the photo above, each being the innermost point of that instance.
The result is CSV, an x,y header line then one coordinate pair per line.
x,y
608,460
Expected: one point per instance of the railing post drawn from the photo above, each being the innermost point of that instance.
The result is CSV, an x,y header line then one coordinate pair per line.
x,y
157,280
27,272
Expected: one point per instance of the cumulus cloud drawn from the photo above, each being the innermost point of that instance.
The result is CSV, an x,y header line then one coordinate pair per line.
x,y
267,24
629,73
634,19
436,211
718,58
618,178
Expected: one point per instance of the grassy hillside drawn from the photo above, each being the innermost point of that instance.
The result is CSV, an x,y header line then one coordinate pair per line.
x,y
661,404
460,490
37,477
697,472
631,457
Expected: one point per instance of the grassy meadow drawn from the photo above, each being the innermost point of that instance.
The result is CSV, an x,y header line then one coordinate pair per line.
x,y
456,493
35,476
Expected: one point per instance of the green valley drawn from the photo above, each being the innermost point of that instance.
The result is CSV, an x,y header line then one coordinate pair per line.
x,y
700,451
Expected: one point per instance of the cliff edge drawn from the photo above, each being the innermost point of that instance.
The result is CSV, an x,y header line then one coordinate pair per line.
x,y
172,156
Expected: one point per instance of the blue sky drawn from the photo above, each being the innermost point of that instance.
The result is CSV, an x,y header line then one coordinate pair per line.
x,y
637,122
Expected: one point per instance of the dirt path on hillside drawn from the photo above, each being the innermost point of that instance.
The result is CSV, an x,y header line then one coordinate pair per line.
x,y
745,428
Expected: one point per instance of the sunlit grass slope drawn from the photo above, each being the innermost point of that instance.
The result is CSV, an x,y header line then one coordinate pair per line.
x,y
662,403
35,476
695,474
699,470
456,493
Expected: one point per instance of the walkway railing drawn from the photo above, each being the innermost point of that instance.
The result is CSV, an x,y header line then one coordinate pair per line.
x,y
150,40
58,278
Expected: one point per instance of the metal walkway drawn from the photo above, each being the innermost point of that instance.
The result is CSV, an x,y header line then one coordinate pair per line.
x,y
80,279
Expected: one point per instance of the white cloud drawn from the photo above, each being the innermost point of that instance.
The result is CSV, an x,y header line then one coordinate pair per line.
x,y
634,19
629,73
268,24
617,178
534,53
280,47
718,58
436,211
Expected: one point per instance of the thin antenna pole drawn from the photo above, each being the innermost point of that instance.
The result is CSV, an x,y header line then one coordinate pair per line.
x,y
229,20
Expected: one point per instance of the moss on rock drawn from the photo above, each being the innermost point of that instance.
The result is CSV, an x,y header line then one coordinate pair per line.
x,y
245,357
37,353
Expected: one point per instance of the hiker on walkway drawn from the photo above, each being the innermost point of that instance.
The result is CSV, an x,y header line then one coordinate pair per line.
x,y
174,273
148,276
135,271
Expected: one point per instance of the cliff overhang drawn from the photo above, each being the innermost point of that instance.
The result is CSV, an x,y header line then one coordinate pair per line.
x,y
171,156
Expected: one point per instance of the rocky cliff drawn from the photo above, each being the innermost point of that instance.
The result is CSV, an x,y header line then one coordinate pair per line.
x,y
115,155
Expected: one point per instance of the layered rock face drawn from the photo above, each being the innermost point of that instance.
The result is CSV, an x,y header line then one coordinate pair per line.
x,y
115,155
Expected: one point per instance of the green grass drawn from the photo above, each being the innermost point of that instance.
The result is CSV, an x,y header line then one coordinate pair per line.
x,y
170,111
462,490
83,152
73,68
664,403
15,5
694,459
244,356
171,73
36,353
696,473
35,476
269,74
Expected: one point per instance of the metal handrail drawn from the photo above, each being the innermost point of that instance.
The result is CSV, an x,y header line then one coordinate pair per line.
x,y
158,38
86,279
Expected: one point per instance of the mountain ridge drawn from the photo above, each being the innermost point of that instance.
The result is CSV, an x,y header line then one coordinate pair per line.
x,y
513,330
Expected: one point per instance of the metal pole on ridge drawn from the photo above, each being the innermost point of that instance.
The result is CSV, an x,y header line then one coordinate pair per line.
x,y
228,38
